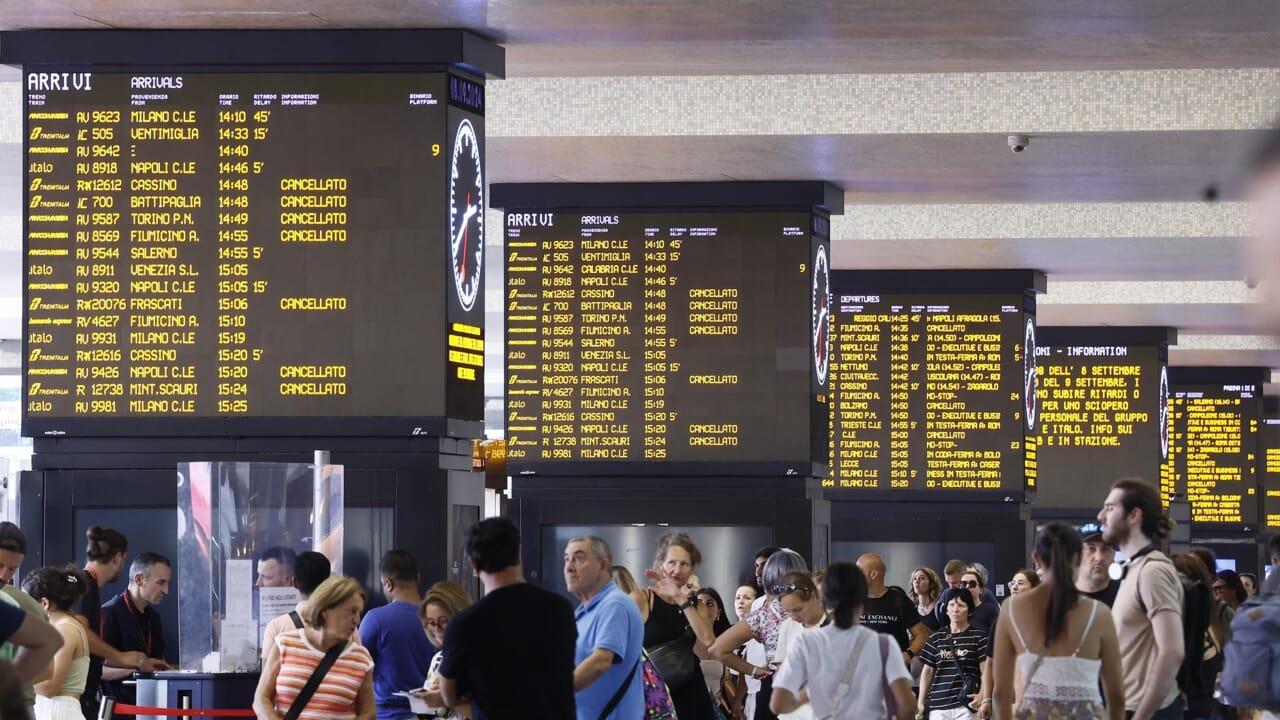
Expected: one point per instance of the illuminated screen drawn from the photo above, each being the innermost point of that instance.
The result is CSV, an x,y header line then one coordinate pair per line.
x,y
664,337
250,245
1269,448
1101,416
931,392
1213,451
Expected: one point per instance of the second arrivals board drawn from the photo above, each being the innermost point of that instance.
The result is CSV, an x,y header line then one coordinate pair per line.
x,y
660,337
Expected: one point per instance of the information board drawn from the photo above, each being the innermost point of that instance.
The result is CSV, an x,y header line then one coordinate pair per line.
x,y
1102,415
932,392
1213,451
251,245
664,337
1269,471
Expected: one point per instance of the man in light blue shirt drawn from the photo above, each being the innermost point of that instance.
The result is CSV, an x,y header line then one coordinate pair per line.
x,y
606,676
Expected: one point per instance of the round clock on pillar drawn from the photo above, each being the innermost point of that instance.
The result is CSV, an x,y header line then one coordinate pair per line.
x,y
466,214
821,313
1029,380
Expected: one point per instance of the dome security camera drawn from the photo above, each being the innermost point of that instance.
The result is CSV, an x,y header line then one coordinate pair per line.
x,y
1018,143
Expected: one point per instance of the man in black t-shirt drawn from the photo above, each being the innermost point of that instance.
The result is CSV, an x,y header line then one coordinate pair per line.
x,y
890,611
1093,578
511,655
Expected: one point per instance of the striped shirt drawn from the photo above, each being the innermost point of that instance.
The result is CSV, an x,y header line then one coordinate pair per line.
x,y
335,699
952,657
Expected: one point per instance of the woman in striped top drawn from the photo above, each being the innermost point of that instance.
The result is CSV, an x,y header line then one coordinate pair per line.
x,y
331,616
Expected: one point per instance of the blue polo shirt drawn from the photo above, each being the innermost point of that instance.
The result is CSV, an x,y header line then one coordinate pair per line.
x,y
11,618
610,620
401,654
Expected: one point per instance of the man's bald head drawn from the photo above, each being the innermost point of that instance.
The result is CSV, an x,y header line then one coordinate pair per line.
x,y
873,567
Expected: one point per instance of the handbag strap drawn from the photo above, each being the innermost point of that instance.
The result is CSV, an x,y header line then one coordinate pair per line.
x,y
842,689
890,702
313,683
297,620
626,684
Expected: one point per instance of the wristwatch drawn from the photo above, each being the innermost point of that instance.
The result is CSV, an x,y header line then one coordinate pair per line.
x,y
687,604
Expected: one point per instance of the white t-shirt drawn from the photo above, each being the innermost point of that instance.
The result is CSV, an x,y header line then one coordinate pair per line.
x,y
819,659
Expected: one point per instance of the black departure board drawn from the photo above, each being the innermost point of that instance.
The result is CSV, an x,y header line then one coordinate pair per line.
x,y
664,337
1213,451
1102,415
216,245
1269,472
932,392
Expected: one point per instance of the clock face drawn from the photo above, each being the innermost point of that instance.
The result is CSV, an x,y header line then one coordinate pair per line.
x,y
821,312
466,214
1029,381
1164,412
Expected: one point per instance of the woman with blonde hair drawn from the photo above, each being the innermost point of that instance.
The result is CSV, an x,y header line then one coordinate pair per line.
x,y
677,629
331,616
441,604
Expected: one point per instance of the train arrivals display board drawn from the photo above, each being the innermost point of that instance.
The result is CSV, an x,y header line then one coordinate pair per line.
x,y
932,392
1103,415
665,337
251,248
1214,447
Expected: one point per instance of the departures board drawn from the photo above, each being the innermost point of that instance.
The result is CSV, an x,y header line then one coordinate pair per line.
x,y
1213,456
235,246
664,337
1269,473
1103,414
932,393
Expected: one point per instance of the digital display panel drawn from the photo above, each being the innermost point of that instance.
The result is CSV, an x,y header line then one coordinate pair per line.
x,y
932,392
1213,451
1102,415
250,245
1269,466
664,337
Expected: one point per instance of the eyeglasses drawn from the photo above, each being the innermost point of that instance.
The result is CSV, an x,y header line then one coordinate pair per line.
x,y
1218,588
440,624
968,584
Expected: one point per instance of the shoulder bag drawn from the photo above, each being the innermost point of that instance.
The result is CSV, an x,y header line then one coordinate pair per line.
x,y
674,659
313,683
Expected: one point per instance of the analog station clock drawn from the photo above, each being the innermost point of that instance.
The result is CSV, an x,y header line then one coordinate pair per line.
x,y
466,214
821,312
1029,380
1163,399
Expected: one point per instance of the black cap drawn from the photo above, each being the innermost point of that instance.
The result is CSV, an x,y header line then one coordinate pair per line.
x,y
12,539
1090,530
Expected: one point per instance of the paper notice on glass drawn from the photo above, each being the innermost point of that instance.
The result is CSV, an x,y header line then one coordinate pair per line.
x,y
276,601
240,590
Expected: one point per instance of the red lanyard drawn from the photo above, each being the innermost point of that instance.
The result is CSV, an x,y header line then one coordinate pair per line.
x,y
137,618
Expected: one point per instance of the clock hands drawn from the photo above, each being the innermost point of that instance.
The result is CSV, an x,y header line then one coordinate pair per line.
x,y
471,210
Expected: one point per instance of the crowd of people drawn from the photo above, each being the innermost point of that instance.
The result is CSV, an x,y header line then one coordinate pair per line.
x,y
1080,635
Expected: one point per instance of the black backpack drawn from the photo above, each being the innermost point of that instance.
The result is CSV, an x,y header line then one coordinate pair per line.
x,y
1195,681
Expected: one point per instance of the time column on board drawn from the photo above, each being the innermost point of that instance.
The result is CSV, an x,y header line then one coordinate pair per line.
x,y
100,300
239,130
659,344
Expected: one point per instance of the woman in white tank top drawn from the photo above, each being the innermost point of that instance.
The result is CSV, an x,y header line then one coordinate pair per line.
x,y
57,590
1063,644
